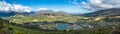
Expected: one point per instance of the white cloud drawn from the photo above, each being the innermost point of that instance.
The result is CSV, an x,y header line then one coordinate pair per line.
x,y
21,8
101,4
43,9
4,6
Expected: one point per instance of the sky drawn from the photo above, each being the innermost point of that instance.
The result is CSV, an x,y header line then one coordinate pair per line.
x,y
70,6
56,5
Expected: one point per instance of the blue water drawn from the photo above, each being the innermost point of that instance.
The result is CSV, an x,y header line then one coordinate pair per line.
x,y
62,27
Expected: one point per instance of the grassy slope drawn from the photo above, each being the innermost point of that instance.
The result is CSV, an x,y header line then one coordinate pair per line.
x,y
24,19
22,30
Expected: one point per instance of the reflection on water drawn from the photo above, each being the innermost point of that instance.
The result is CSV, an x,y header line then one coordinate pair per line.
x,y
62,27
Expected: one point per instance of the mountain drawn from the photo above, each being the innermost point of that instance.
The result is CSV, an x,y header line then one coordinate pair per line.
x,y
44,12
12,13
38,13
7,14
106,12
62,13
51,12
28,13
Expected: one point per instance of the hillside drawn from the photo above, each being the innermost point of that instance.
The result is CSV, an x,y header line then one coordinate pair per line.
x,y
50,18
18,29
12,13
37,13
51,12
105,12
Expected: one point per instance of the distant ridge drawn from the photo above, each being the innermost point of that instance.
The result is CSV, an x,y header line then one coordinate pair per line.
x,y
50,12
38,13
106,12
12,13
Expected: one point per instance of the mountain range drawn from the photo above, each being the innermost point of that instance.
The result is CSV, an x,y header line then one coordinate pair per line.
x,y
41,12
105,12
12,13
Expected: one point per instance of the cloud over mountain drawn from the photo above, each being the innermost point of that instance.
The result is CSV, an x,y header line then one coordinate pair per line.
x,y
43,9
100,4
4,6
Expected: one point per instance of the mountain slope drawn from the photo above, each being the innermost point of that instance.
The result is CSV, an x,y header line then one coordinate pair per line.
x,y
12,13
106,12
51,12
6,14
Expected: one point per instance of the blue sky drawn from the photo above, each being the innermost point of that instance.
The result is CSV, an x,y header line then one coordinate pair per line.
x,y
56,5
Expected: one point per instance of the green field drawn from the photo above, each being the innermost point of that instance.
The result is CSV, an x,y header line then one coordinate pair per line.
x,y
22,30
23,19
70,19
